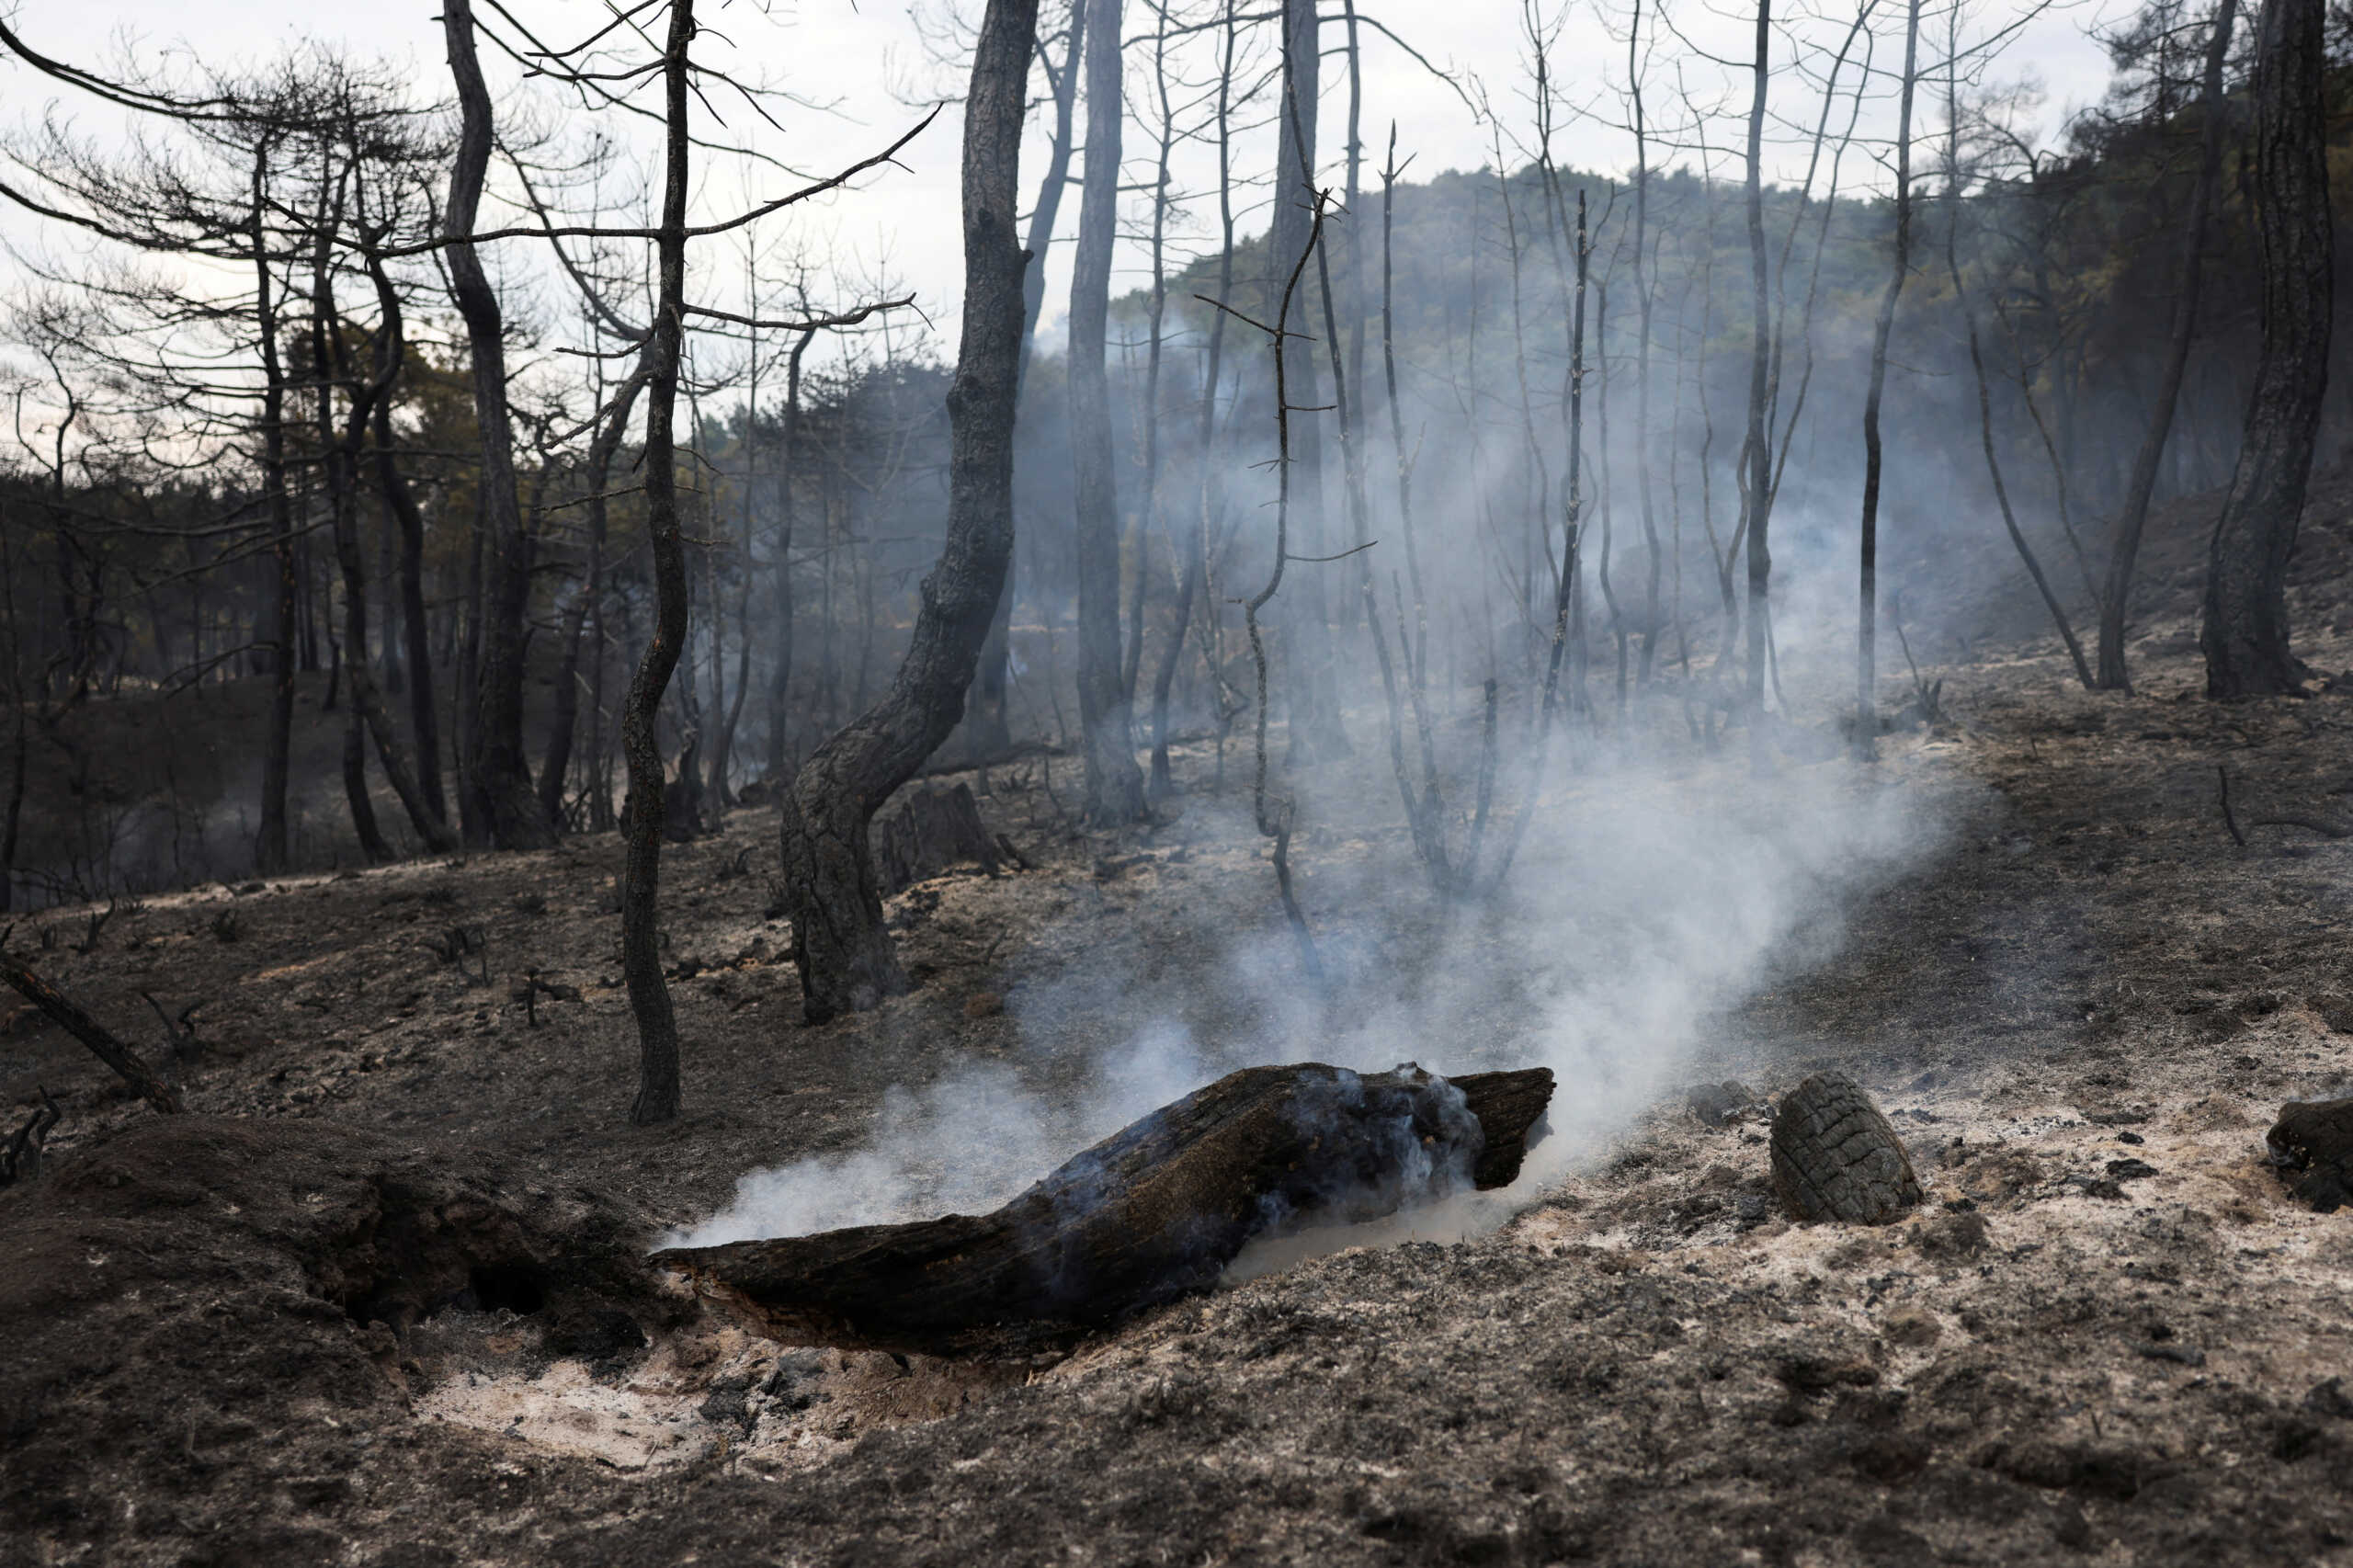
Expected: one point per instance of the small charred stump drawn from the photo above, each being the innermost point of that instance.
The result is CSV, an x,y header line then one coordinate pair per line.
x,y
931,831
2311,1144
20,1152
1835,1156
1153,1213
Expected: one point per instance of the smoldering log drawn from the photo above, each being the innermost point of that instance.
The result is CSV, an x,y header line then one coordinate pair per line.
x,y
1153,1213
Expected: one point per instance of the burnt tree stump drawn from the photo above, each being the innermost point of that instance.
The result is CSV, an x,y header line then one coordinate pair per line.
x,y
931,831
1153,1213
1835,1156
2311,1144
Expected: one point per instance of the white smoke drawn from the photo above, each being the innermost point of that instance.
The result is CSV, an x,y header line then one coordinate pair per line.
x,y
1645,901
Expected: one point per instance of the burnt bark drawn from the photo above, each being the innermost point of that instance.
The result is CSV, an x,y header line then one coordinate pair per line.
x,y
1114,782
1757,454
780,672
642,815
2124,535
498,776
1315,727
340,449
988,729
1867,586
273,852
838,942
2246,632
416,630
1154,1212
601,450
69,1015
932,831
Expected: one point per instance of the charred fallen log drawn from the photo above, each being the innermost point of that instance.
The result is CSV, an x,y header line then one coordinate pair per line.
x,y
1149,1215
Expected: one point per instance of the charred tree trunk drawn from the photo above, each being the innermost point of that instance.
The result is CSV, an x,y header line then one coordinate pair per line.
x,y
642,814
2124,535
416,631
988,729
1757,453
2246,632
1643,288
497,773
1197,557
1114,783
838,942
342,452
273,852
780,672
11,815
601,450
1316,730
68,1016
1154,1212
1867,596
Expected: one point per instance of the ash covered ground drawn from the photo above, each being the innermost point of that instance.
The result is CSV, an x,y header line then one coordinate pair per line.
x,y
380,1299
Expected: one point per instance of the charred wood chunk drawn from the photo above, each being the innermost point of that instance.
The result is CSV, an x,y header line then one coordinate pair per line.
x,y
1835,1156
932,831
2311,1144
1720,1104
1153,1213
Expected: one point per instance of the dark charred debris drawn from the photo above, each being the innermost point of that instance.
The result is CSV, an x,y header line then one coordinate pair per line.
x,y
1154,1212
2311,1145
191,1287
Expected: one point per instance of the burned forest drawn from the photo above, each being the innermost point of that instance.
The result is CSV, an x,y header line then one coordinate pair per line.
x,y
1148,782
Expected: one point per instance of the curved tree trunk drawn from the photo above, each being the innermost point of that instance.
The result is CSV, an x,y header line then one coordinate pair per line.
x,y
2124,536
2246,630
1867,595
497,773
838,942
1114,783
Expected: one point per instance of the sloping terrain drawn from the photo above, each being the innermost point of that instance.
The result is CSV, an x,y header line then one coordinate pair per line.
x,y
2108,1334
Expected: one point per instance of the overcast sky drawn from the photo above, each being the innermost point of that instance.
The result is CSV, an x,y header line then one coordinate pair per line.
x,y
868,64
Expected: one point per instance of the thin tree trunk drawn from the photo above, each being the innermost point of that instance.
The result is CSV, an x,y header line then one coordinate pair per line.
x,y
1867,613
1148,512
1757,454
1316,730
839,942
416,630
1114,783
601,450
496,769
780,675
2124,534
2244,633
1977,366
342,452
1196,559
641,817
21,740
273,853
